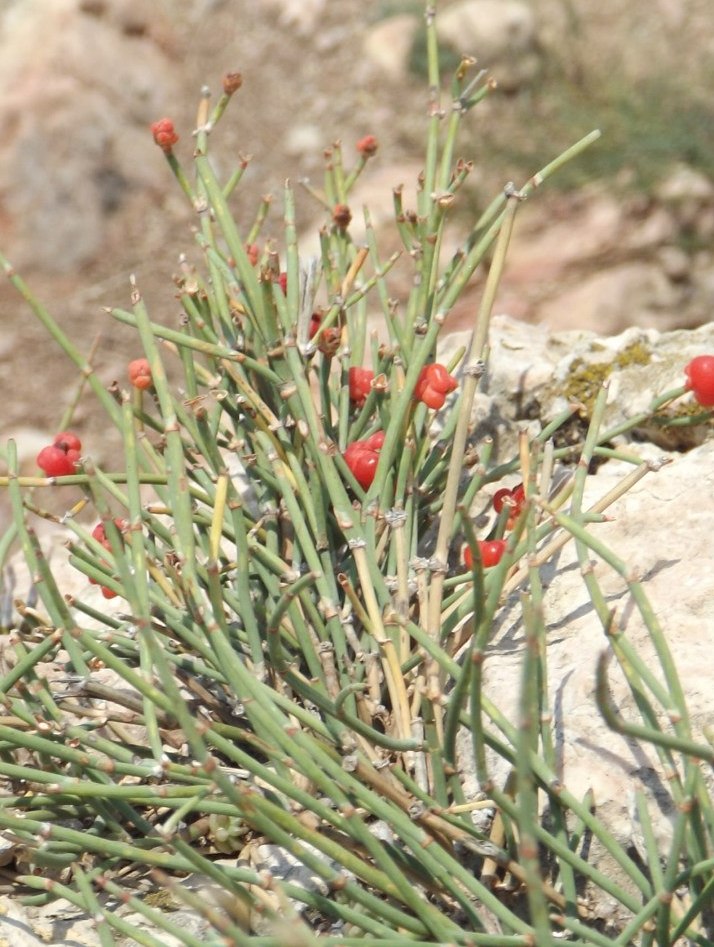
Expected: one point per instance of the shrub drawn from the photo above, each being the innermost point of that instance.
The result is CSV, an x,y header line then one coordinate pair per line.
x,y
294,630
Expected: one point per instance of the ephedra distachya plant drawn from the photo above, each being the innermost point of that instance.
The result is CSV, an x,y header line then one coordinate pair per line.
x,y
301,604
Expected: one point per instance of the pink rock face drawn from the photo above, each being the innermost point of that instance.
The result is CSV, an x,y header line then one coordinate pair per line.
x,y
607,302
504,32
74,151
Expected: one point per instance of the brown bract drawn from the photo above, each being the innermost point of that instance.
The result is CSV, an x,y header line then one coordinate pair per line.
x,y
232,81
341,216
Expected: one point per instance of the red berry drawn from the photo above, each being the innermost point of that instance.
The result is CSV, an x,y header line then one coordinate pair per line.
x,y
362,458
500,498
433,385
330,338
283,281
432,398
367,146
518,501
140,373
700,379
439,378
55,462
106,592
61,457
515,499
363,465
360,383
67,441
100,534
164,134
375,441
491,552
315,320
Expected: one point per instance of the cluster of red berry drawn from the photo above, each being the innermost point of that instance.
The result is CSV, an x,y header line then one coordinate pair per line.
x,y
61,457
432,387
492,549
139,372
164,134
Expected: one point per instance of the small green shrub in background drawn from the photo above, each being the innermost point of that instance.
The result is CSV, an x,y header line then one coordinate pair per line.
x,y
298,634
648,129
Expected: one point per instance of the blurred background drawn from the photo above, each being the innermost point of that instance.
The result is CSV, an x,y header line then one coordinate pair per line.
x,y
624,236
